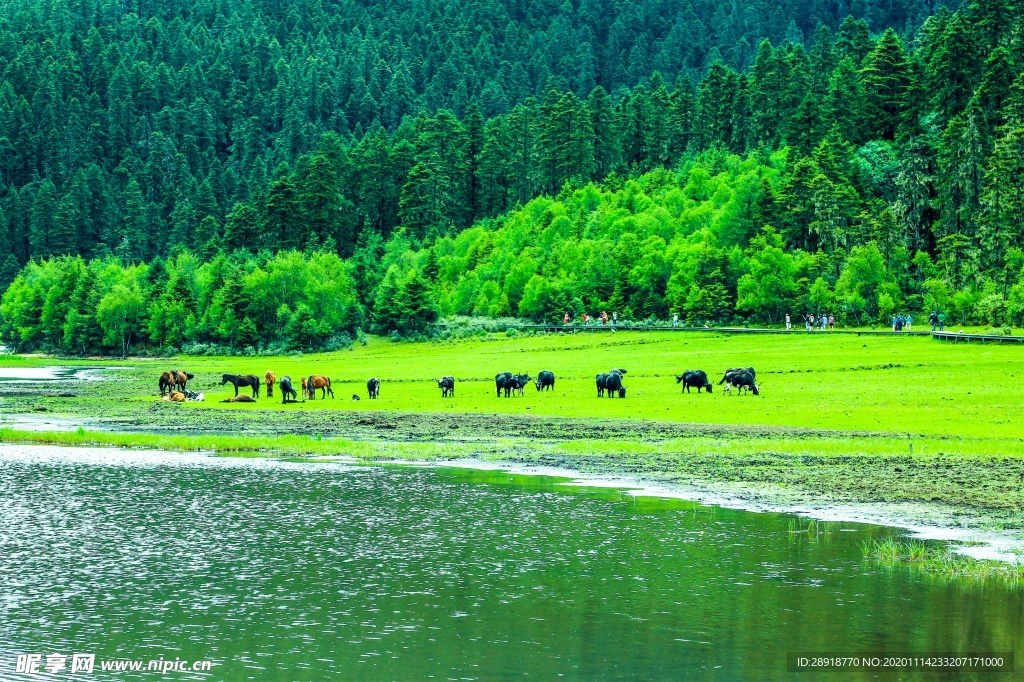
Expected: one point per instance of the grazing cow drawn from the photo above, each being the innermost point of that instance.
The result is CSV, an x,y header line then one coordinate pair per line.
x,y
288,390
373,387
741,380
504,381
181,380
545,380
519,381
319,381
601,379
270,379
613,384
167,380
697,378
237,380
736,370
447,386
239,399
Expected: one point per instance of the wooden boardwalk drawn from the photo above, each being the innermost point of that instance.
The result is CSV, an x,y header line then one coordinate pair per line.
x,y
579,328
957,337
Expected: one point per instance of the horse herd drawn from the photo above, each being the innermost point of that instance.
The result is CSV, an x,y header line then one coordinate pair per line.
x,y
174,384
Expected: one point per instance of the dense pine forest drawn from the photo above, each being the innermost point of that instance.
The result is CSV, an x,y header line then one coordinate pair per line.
x,y
287,173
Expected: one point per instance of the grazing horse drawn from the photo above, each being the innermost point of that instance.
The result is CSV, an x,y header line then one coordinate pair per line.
x,y
373,387
288,390
242,380
181,379
270,380
167,380
316,381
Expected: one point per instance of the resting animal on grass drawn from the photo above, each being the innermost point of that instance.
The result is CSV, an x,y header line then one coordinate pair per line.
x,y
287,390
240,399
373,387
695,378
175,397
237,380
355,397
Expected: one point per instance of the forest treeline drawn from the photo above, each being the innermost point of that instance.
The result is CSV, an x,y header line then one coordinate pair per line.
x,y
856,171
124,125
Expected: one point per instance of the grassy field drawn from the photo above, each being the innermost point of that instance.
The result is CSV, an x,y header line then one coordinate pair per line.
x,y
900,420
893,385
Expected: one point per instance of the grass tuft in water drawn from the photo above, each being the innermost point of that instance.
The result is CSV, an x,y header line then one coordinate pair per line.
x,y
939,559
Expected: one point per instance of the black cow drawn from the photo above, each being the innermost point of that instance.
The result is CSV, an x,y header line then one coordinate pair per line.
x,y
373,387
287,390
694,378
741,380
613,384
601,379
546,379
519,381
447,386
504,381
736,370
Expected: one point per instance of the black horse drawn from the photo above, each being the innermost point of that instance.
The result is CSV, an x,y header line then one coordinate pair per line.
x,y
287,390
242,380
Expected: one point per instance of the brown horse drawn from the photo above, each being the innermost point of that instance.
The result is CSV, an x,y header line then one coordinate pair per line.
x,y
175,397
181,379
167,381
319,381
270,379
240,399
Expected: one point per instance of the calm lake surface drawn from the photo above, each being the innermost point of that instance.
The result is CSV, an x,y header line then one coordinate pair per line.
x,y
293,571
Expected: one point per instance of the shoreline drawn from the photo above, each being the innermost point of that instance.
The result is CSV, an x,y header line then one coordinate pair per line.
x,y
921,521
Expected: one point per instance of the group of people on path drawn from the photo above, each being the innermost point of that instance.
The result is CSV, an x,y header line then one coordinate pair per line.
x,y
937,320
901,323
587,319
812,322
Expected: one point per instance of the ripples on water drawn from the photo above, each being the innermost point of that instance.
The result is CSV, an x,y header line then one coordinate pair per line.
x,y
289,571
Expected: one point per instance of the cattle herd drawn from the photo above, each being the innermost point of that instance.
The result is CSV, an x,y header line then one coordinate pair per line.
x,y
173,384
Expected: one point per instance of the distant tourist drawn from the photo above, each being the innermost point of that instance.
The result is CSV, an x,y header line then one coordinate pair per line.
x,y
942,321
810,322
822,322
615,317
565,318
586,319
832,322
789,325
910,320
675,320
604,317
807,322
933,320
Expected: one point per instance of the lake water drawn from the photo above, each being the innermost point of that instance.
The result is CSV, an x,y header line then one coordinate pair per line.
x,y
314,571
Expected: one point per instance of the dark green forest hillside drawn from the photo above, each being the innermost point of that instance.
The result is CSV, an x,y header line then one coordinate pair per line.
x,y
884,139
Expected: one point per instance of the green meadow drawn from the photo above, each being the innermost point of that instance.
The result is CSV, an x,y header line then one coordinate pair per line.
x,y
820,381
932,427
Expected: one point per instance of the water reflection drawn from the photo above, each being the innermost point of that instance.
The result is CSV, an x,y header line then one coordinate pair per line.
x,y
293,571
